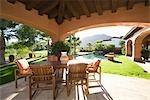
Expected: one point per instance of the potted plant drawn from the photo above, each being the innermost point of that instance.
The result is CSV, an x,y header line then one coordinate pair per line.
x,y
59,47
11,58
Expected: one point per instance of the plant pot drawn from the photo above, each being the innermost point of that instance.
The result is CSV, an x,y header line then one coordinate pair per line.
x,y
64,58
11,58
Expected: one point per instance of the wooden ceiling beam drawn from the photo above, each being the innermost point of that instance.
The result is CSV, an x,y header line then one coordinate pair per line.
x,y
12,1
67,16
32,4
147,2
130,4
28,3
72,10
59,19
98,5
84,7
52,14
114,5
48,7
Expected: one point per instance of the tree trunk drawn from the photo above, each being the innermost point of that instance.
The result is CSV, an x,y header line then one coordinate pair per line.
x,y
2,48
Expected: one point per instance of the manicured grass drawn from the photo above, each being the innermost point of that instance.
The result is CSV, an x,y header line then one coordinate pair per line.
x,y
7,70
124,66
40,53
37,54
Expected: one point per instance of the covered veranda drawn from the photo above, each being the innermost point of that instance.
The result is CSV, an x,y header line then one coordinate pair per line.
x,y
60,19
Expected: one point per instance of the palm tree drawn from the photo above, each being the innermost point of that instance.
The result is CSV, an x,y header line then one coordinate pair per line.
x,y
73,42
6,32
89,46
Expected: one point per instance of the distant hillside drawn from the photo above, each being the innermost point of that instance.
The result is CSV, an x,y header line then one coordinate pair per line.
x,y
93,39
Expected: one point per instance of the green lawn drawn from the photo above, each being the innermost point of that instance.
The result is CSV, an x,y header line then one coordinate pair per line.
x,y
37,54
124,66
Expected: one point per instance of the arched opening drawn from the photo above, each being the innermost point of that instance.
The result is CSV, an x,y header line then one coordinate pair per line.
x,y
129,48
146,48
141,42
23,41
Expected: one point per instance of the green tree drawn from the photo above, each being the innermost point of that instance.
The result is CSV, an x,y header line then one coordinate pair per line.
x,y
6,33
73,42
122,44
21,50
90,47
29,37
110,47
99,46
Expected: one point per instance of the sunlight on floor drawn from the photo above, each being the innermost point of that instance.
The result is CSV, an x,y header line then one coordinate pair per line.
x,y
11,96
22,89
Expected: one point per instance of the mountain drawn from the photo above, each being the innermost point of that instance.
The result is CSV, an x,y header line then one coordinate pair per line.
x,y
93,39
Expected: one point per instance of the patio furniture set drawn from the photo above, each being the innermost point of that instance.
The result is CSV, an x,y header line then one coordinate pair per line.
x,y
48,74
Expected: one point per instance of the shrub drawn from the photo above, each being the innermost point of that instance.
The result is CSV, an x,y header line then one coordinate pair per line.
x,y
110,47
11,58
145,54
58,47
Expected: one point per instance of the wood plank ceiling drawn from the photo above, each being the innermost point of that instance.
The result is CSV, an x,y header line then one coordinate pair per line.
x,y
67,9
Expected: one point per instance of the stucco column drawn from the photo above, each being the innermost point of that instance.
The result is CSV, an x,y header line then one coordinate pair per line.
x,y
55,38
137,51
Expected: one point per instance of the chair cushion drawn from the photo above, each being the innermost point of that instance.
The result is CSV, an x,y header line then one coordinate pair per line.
x,y
23,63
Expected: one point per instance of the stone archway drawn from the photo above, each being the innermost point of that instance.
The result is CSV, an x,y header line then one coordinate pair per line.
x,y
129,48
138,45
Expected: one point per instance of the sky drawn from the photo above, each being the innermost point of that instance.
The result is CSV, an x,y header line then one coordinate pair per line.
x,y
114,31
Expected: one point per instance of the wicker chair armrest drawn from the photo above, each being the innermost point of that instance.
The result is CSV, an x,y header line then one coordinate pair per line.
x,y
91,67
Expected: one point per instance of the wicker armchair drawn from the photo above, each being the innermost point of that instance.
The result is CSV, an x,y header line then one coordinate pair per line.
x,y
77,75
23,70
93,68
43,77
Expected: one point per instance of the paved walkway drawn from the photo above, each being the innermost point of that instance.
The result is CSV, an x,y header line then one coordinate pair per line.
x,y
145,66
126,88
119,88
